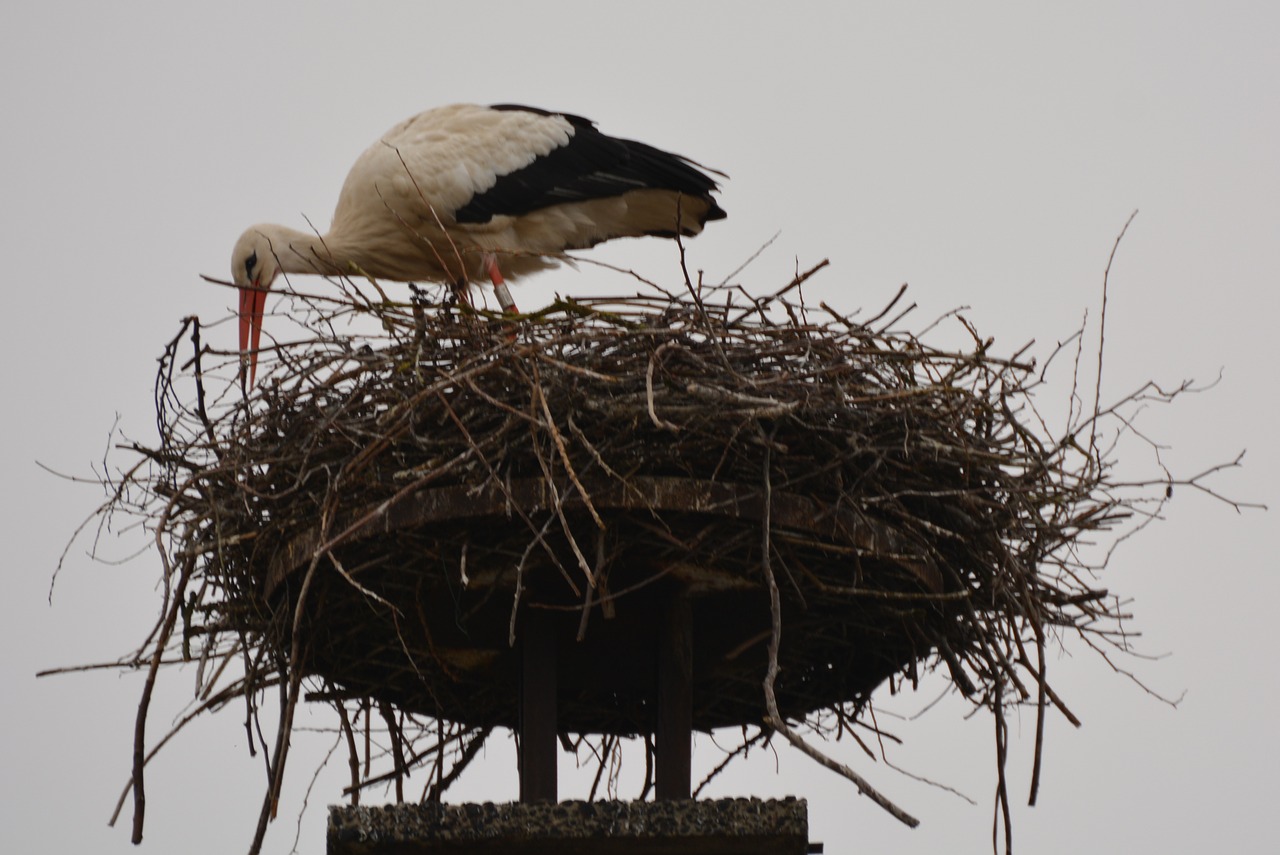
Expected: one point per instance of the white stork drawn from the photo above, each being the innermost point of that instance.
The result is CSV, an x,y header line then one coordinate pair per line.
x,y
465,192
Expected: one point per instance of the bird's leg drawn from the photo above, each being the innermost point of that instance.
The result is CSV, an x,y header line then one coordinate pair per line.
x,y
419,316
500,291
499,284
462,292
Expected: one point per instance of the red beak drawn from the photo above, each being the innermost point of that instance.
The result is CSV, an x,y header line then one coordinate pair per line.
x,y
252,302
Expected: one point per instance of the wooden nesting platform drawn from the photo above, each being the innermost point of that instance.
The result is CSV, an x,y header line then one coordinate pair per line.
x,y
443,567
721,827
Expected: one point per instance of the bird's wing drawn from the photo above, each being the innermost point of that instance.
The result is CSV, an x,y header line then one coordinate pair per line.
x,y
587,165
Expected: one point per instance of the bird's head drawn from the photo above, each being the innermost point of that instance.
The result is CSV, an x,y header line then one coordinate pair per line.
x,y
254,266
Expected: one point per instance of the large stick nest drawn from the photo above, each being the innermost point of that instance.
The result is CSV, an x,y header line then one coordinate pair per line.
x,y
408,503
838,503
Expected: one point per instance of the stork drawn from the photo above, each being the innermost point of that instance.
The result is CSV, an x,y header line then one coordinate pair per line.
x,y
467,192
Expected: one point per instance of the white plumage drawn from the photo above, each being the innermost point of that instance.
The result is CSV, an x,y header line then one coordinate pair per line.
x,y
465,192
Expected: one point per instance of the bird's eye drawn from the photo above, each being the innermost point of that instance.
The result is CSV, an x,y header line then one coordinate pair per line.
x,y
250,263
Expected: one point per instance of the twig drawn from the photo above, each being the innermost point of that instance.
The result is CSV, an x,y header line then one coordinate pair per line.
x,y
1102,329
773,719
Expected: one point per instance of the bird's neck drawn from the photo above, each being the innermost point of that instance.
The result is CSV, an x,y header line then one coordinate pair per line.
x,y
300,252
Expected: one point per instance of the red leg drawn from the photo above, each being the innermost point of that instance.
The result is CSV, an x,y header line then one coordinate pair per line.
x,y
499,285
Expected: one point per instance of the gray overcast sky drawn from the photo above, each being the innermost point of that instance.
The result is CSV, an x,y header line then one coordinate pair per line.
x,y
986,153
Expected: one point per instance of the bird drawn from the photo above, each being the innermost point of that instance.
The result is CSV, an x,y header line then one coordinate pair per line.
x,y
464,193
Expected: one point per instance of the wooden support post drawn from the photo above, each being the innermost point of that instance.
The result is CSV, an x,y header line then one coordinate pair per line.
x,y
672,768
537,707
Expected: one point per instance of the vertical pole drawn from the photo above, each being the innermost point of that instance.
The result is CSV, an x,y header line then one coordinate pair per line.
x,y
537,707
672,768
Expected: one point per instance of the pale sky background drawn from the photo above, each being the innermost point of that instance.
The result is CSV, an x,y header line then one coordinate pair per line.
x,y
986,153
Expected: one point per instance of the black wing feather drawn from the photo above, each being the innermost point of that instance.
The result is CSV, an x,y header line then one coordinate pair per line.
x,y
590,166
